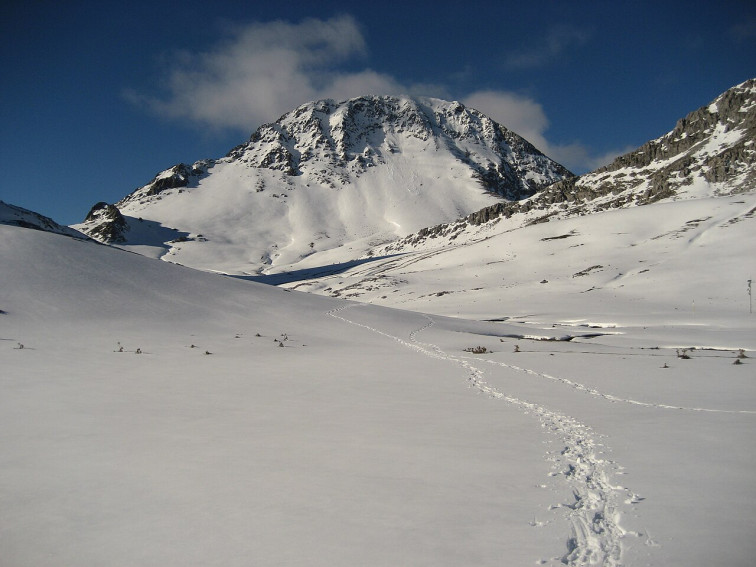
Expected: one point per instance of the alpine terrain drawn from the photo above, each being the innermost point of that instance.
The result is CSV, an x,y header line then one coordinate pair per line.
x,y
538,370
662,206
326,182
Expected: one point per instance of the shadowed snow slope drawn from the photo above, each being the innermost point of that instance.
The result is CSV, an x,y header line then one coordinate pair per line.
x,y
243,424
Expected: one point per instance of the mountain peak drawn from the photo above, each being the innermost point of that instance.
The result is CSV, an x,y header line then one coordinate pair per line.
x,y
335,142
327,176
710,152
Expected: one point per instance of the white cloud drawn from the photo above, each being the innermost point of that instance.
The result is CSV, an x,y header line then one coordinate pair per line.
x,y
520,114
263,70
527,118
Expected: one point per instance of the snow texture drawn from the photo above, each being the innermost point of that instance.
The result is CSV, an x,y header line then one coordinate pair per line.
x,y
554,386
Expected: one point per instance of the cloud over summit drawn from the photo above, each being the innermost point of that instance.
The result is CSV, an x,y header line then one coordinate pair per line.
x,y
262,70
259,71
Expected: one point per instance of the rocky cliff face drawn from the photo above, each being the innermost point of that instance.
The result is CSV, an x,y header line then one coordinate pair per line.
x,y
710,150
333,143
336,142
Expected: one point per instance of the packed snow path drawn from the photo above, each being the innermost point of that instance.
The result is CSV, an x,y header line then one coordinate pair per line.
x,y
596,533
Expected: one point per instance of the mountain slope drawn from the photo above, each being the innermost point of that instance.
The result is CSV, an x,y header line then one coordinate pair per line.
x,y
328,180
710,152
17,216
219,422
696,186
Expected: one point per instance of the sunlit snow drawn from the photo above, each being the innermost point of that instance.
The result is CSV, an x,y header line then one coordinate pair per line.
x,y
153,414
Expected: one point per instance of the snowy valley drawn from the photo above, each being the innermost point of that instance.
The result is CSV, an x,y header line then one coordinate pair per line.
x,y
497,363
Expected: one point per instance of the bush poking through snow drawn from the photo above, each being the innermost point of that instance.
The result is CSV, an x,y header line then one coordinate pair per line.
x,y
683,354
477,350
742,354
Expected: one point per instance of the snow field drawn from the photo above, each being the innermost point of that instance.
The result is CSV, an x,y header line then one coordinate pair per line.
x,y
370,436
338,448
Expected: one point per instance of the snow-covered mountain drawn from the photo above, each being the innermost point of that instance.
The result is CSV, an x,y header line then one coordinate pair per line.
x,y
678,203
327,180
711,152
17,216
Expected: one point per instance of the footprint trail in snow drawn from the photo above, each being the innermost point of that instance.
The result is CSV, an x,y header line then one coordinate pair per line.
x,y
594,514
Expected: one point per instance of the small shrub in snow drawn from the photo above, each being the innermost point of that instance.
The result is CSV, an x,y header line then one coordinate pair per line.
x,y
517,348
737,361
683,354
138,351
742,354
477,350
208,352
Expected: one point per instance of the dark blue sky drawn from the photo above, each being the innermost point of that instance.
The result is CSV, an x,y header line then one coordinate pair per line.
x,y
95,99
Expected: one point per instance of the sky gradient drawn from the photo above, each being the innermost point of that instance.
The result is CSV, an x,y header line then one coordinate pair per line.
x,y
98,98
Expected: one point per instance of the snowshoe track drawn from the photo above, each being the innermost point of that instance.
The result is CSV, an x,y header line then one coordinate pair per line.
x,y
609,397
594,514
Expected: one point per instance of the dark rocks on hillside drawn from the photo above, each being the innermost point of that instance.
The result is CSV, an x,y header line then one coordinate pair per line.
x,y
178,176
655,171
335,142
106,223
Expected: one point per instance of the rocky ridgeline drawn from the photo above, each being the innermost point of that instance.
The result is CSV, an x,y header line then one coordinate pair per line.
x,y
715,144
334,142
178,176
331,144
105,223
